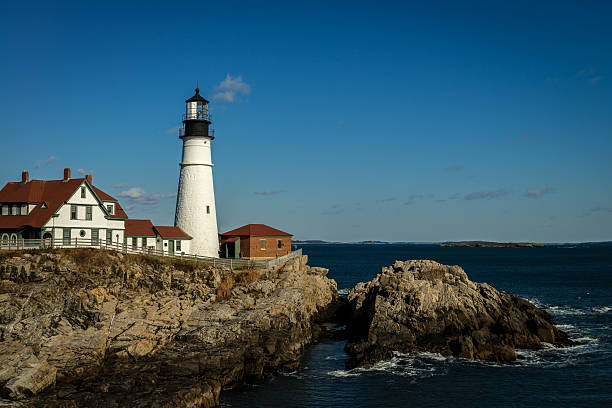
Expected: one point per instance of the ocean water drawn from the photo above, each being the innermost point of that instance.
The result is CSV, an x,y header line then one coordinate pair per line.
x,y
573,284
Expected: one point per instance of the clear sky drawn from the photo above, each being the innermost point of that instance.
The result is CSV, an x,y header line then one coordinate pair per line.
x,y
397,121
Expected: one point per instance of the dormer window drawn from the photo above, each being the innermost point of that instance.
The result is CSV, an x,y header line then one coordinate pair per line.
x,y
83,192
14,209
110,208
43,206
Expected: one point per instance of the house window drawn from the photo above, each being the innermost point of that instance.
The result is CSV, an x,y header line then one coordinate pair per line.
x,y
82,192
88,213
110,208
10,210
13,238
24,209
178,245
73,212
262,244
17,209
208,209
279,244
109,236
134,242
144,242
82,233
44,206
66,236
5,209
95,237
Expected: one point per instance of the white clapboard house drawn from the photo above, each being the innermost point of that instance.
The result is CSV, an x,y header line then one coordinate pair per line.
x,y
73,212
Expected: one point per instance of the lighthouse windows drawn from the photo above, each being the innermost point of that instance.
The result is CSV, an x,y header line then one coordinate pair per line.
x,y
208,209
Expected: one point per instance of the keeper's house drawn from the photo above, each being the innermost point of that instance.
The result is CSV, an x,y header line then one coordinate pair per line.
x,y
255,241
65,210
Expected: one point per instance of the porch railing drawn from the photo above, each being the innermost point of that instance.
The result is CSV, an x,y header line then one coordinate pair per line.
x,y
24,244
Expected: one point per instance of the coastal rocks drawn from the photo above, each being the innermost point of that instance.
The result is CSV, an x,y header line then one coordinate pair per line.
x,y
416,306
22,373
106,329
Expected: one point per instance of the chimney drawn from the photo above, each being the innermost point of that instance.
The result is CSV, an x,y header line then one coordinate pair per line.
x,y
66,174
25,176
88,178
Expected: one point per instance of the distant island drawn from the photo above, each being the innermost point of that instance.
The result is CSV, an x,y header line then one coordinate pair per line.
x,y
494,244
318,241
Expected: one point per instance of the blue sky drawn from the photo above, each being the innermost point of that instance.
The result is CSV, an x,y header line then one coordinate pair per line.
x,y
348,121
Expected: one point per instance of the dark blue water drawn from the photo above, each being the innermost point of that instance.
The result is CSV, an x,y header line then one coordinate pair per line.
x,y
573,284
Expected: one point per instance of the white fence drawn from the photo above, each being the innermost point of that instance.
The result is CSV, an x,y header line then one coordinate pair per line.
x,y
24,244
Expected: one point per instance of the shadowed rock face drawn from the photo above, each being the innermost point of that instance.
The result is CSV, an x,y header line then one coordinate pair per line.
x,y
416,306
93,328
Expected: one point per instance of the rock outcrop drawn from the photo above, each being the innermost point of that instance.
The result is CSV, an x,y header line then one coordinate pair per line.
x,y
95,328
416,306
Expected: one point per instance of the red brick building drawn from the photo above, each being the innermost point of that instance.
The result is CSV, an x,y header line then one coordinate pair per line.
x,y
255,241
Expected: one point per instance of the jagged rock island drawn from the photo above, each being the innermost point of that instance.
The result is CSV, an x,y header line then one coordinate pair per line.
x,y
417,306
87,327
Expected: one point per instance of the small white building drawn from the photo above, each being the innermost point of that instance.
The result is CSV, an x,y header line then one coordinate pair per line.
x,y
67,210
143,236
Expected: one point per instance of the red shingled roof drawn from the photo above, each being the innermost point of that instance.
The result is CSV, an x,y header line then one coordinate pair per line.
x,y
51,192
141,228
171,232
257,230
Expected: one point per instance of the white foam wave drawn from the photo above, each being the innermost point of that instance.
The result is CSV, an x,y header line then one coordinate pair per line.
x,y
422,365
343,291
602,309
565,310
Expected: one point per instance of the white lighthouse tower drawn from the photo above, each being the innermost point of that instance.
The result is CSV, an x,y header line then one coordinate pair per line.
x,y
195,201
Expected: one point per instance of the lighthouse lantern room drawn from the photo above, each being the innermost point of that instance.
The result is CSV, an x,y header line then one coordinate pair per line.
x,y
195,201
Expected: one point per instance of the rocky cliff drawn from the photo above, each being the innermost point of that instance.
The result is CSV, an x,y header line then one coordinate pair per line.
x,y
96,328
416,306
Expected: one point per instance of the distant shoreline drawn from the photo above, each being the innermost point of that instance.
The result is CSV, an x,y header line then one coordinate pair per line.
x,y
467,244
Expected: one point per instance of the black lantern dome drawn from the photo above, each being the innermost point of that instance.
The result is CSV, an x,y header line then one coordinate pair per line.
x,y
197,118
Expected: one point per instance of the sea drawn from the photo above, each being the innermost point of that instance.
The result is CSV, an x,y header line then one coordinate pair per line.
x,y
574,284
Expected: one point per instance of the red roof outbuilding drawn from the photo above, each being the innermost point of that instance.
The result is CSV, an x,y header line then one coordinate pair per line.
x,y
140,228
171,232
261,230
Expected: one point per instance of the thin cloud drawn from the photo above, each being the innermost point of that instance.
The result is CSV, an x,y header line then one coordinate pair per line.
x,y
485,195
459,167
137,195
601,209
414,197
386,200
589,75
455,196
230,87
83,172
43,163
333,212
269,192
521,138
539,192
173,131
595,80
120,185
133,193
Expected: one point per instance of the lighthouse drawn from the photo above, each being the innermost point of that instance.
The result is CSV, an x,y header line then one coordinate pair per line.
x,y
195,201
